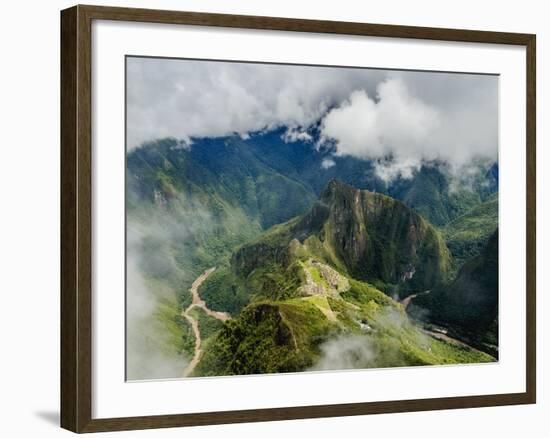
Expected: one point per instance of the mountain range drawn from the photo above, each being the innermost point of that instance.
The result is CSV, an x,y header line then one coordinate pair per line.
x,y
315,263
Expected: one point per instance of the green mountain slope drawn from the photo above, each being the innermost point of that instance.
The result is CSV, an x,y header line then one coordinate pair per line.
x,y
309,285
187,209
302,332
434,191
439,196
191,207
366,235
379,238
467,235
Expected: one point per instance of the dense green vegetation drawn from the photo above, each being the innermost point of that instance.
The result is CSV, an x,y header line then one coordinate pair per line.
x,y
437,196
436,192
224,292
267,338
304,264
305,292
380,238
219,173
467,235
188,209
208,326
366,235
177,334
292,335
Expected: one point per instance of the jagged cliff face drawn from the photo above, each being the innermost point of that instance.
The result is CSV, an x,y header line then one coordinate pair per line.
x,y
370,236
379,237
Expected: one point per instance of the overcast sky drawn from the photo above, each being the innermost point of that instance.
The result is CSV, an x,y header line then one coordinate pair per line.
x,y
412,116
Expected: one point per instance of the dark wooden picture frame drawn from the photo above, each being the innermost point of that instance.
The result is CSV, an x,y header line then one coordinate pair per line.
x,y
76,218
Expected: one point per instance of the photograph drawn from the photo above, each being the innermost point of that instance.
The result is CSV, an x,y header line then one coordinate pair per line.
x,y
285,218
269,220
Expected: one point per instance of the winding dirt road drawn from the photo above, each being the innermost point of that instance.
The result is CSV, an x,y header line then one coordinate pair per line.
x,y
197,301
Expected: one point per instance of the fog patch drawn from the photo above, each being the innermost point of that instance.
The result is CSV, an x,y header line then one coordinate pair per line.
x,y
346,352
418,313
470,177
385,345
389,170
327,163
159,239
150,352
292,135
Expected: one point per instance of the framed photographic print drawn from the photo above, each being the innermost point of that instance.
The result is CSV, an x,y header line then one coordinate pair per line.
x,y
269,218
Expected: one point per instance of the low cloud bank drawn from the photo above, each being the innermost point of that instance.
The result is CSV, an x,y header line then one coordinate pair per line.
x,y
370,350
398,119
149,353
400,132
346,352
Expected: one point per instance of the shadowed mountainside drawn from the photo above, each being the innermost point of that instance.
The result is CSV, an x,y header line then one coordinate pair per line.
x,y
468,306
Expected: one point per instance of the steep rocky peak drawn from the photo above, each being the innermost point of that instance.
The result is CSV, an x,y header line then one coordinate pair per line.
x,y
337,189
378,236
339,196
372,235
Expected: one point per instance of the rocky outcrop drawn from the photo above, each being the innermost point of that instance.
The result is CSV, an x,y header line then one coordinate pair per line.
x,y
378,237
371,236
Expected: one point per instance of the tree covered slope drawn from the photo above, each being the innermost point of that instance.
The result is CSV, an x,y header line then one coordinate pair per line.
x,y
369,236
467,235
187,209
275,221
306,288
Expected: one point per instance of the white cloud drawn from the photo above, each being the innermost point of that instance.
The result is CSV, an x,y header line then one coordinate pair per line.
x,y
295,134
346,352
327,163
399,118
186,98
148,351
390,169
400,131
396,123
